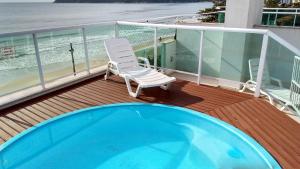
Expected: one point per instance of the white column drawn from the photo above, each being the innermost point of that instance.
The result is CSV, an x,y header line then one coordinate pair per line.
x,y
243,13
261,66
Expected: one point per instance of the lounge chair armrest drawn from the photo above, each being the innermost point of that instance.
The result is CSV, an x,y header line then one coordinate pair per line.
x,y
115,64
251,82
146,61
278,81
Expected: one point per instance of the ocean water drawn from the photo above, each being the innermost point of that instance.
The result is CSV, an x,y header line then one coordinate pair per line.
x,y
28,16
18,66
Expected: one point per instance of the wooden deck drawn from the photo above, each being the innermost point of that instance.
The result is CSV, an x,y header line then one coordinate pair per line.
x,y
279,134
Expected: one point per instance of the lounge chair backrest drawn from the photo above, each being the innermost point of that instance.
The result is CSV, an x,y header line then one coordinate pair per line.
x,y
253,69
295,84
120,51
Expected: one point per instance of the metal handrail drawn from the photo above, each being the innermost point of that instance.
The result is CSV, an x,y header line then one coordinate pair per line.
x,y
189,27
281,8
287,13
164,17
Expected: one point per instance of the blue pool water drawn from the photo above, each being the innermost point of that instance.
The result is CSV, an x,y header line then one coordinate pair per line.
x,y
134,136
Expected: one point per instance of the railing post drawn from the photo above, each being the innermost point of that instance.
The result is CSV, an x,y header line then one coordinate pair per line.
x,y
294,23
116,30
155,48
86,53
200,56
275,20
38,60
262,62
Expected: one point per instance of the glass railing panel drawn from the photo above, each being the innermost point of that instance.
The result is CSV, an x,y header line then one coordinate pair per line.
x,y
287,10
221,17
166,48
141,38
277,77
212,53
297,20
285,19
268,19
56,56
187,50
272,19
265,18
278,66
95,36
238,49
226,54
18,66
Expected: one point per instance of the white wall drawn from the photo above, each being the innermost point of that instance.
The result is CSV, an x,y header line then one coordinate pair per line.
x,y
243,13
291,35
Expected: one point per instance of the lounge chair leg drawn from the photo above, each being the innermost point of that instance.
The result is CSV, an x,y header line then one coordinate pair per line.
x,y
131,93
107,72
137,92
165,87
271,100
283,107
295,109
244,86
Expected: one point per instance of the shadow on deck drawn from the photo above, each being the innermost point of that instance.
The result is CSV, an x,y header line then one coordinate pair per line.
x,y
271,128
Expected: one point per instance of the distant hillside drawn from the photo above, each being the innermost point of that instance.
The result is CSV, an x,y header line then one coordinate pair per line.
x,y
124,1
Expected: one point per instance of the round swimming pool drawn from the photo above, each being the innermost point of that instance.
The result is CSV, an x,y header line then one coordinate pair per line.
x,y
134,136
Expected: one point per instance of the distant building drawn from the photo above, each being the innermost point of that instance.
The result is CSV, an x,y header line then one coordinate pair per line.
x,y
286,1
289,1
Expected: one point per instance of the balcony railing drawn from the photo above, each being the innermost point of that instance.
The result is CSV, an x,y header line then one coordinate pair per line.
x,y
289,17
286,17
35,61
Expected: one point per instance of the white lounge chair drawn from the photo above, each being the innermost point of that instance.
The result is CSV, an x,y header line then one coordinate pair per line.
x,y
124,63
287,97
266,81
293,100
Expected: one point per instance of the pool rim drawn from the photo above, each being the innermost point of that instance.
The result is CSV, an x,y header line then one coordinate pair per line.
x,y
259,149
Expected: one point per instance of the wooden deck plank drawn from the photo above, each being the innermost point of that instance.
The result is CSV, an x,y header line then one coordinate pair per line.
x,y
5,134
25,118
271,128
31,115
269,136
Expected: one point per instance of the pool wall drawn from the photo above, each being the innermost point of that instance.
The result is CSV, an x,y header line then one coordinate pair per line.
x,y
49,132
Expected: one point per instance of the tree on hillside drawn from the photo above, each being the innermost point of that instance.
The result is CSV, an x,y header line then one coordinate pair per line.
x,y
272,3
211,13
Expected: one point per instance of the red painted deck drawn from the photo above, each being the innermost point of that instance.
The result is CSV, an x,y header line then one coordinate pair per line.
x,y
279,134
